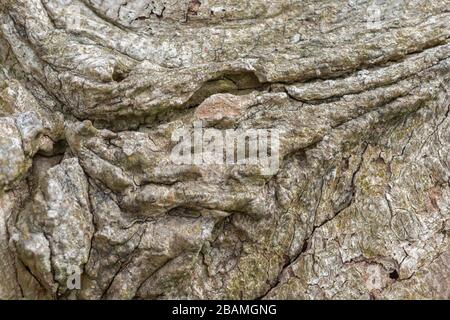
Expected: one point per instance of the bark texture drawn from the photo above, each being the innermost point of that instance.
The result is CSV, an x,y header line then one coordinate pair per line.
x,y
91,92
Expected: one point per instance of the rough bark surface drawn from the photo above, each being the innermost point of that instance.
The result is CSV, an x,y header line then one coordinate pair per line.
x,y
92,90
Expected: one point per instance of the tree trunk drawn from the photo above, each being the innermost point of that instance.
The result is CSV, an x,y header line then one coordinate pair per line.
x,y
212,149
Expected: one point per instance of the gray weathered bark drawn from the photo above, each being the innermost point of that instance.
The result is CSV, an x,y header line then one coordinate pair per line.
x,y
92,91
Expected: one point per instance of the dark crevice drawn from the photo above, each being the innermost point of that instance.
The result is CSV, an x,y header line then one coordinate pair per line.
x,y
394,275
238,83
119,76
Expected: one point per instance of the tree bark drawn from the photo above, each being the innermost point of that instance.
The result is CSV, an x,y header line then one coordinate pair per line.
x,y
354,98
